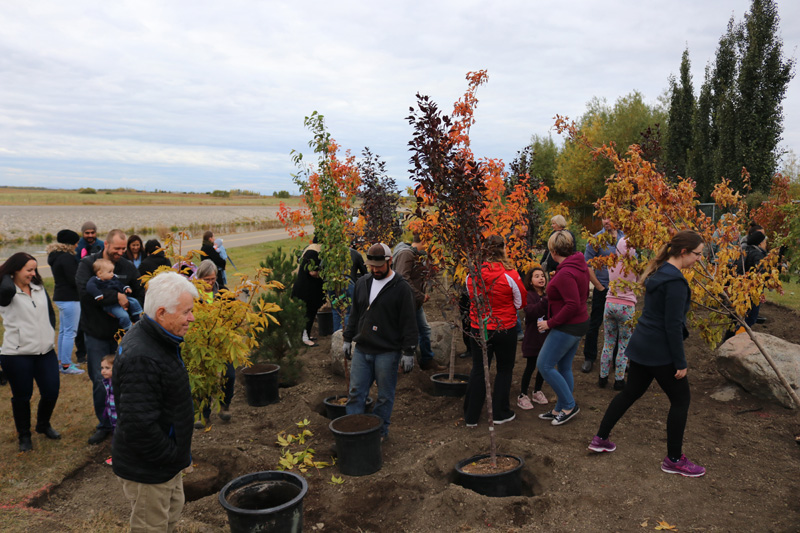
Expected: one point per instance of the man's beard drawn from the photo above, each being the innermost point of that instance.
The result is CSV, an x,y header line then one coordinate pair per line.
x,y
380,275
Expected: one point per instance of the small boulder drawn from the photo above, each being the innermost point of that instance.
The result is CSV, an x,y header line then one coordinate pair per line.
x,y
740,361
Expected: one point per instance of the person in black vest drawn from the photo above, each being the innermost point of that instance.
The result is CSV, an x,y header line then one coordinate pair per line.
x,y
100,327
155,413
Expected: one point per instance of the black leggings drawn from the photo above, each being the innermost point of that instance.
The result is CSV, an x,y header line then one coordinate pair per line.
x,y
639,379
530,366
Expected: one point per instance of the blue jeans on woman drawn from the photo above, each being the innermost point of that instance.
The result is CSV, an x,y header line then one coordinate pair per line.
x,y
69,315
366,369
555,365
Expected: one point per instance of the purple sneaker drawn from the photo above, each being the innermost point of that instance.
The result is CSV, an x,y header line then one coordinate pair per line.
x,y
601,445
682,466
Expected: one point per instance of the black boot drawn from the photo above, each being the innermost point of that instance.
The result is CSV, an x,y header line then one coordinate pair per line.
x,y
22,419
43,414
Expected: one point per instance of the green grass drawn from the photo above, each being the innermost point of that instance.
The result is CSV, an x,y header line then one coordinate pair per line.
x,y
790,297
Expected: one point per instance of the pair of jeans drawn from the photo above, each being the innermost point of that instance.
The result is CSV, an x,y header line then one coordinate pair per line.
x,y
123,316
229,380
96,349
338,323
752,315
595,321
424,339
555,365
366,369
22,370
69,315
503,344
639,379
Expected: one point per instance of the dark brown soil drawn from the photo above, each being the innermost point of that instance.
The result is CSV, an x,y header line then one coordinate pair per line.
x,y
356,423
746,444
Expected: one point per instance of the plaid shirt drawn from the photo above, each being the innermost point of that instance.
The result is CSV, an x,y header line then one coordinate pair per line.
x,y
111,410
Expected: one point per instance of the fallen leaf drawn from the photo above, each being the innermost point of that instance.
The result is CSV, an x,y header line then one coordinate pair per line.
x,y
644,524
664,526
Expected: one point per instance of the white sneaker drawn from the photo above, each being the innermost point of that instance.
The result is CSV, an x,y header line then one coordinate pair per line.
x,y
524,402
71,369
539,398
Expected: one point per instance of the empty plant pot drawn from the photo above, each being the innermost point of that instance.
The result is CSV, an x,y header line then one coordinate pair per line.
x,y
334,408
325,323
358,444
265,501
504,482
261,384
442,386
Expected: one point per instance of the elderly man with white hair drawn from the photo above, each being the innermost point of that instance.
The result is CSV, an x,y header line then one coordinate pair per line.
x,y
155,414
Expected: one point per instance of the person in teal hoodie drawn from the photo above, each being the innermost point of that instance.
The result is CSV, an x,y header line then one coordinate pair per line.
x,y
656,350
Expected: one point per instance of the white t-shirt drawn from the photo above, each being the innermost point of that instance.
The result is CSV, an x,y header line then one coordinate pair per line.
x,y
377,285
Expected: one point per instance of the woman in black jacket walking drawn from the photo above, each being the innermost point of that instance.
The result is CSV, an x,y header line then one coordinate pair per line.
x,y
656,352
64,265
212,253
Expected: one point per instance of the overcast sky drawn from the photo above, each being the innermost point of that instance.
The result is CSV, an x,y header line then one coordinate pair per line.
x,y
196,96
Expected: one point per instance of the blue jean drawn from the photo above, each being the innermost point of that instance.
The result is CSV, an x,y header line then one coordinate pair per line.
x,y
337,318
124,317
366,369
425,350
96,349
558,351
227,390
69,315
752,315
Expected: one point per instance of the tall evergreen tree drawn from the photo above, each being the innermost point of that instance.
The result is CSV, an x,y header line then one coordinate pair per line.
x,y
763,78
681,110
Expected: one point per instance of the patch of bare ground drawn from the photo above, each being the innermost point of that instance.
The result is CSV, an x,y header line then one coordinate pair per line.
x,y
747,446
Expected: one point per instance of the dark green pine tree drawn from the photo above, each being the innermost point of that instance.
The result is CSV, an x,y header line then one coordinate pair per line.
x,y
681,111
725,161
763,77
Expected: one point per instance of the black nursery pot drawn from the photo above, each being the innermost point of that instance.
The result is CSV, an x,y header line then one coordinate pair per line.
x,y
441,387
334,410
508,483
325,323
265,501
358,444
261,384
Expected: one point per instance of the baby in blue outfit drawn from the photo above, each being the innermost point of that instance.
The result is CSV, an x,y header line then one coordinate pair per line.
x,y
105,280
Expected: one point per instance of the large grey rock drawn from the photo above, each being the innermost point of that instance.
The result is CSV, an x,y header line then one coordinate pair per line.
x,y
441,340
740,360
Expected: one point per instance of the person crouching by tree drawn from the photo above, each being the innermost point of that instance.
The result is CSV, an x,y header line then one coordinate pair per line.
x,y
656,350
155,412
383,326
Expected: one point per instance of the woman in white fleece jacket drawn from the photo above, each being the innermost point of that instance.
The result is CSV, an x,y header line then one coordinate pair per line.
x,y
28,353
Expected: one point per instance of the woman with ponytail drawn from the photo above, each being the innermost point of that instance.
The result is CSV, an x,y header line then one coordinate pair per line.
x,y
656,350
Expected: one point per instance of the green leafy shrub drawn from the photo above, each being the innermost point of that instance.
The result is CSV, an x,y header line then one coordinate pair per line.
x,y
87,190
280,345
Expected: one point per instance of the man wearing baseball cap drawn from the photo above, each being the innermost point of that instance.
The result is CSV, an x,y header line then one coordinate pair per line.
x,y
383,326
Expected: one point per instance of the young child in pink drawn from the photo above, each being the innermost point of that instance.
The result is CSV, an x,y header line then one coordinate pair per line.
x,y
620,306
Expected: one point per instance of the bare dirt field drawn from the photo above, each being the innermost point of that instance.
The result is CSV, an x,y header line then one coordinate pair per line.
x,y
23,221
746,444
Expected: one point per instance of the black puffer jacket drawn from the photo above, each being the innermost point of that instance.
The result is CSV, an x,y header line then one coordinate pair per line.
x,y
94,321
64,266
155,414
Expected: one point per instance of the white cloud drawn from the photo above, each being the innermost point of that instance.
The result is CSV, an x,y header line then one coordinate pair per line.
x,y
166,89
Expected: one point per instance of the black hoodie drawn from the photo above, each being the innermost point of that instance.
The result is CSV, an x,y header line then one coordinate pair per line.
x,y
661,330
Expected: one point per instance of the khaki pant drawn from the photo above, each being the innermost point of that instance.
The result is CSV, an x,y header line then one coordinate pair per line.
x,y
156,507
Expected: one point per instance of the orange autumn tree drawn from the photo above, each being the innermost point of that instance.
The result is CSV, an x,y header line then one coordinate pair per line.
x,y
329,190
461,200
649,210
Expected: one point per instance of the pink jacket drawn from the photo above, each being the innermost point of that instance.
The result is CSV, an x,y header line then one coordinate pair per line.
x,y
617,294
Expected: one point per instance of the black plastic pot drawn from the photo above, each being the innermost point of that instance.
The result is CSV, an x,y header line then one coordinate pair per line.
x,y
261,384
358,444
325,323
499,485
265,501
334,410
441,387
